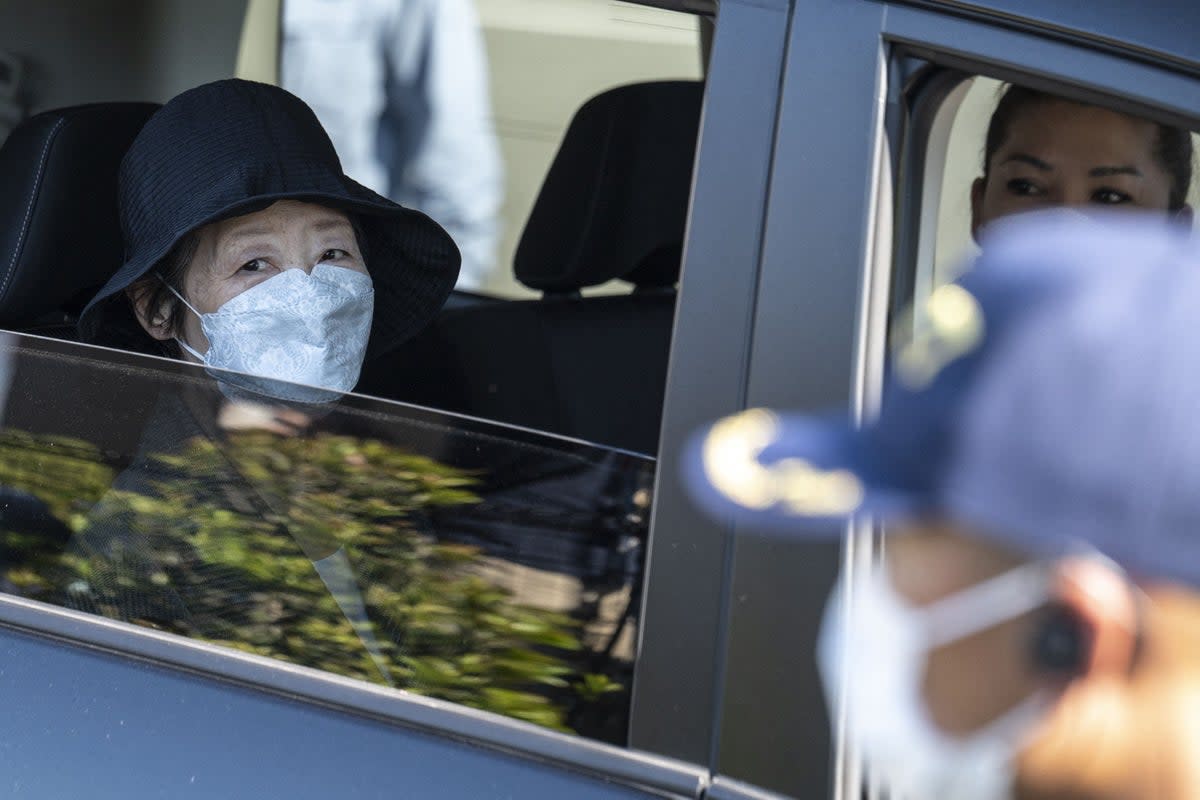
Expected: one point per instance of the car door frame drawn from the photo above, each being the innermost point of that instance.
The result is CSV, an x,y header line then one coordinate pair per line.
x,y
750,319
139,662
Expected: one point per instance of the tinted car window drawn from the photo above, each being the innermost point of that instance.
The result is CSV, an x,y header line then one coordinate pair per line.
x,y
484,565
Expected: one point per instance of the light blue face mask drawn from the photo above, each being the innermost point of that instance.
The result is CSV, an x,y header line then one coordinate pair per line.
x,y
872,663
296,336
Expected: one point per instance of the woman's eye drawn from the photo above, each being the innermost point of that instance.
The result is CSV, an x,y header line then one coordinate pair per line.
x,y
334,254
1023,187
1110,197
253,265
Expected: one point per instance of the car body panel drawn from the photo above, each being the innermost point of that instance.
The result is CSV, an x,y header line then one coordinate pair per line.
x,y
112,710
1163,31
820,216
677,678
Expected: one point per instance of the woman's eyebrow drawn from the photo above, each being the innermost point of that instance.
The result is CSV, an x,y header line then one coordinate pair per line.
x,y
331,223
1025,158
232,239
1104,172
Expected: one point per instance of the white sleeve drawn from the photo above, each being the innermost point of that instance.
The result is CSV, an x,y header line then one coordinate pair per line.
x,y
454,174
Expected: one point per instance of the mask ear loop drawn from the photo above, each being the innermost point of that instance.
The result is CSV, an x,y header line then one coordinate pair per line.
x,y
1139,625
986,604
190,308
172,290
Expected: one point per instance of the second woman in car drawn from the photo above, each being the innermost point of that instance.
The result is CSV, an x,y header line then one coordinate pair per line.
x,y
248,248
1043,150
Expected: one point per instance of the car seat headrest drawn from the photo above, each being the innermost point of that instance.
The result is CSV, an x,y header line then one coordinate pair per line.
x,y
60,237
614,202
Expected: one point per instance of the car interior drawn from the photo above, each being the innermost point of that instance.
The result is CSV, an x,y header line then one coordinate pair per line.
x,y
59,237
60,243
613,206
573,340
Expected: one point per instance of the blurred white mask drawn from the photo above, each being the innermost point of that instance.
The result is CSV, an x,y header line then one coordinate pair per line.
x,y
874,670
307,329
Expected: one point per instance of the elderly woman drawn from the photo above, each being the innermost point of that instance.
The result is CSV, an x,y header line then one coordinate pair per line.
x,y
248,248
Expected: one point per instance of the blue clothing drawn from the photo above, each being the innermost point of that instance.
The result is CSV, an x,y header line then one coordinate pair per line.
x,y
401,86
1047,400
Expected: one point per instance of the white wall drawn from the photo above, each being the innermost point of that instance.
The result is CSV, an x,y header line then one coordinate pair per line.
x,y
549,56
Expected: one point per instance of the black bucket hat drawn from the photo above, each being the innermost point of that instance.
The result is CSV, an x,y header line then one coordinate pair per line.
x,y
233,147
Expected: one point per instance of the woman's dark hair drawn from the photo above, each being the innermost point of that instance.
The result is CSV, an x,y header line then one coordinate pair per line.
x,y
152,292
1173,147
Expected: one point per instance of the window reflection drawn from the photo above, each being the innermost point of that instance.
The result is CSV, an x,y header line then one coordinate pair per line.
x,y
491,568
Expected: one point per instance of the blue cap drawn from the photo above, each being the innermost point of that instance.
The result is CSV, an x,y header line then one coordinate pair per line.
x,y
1050,396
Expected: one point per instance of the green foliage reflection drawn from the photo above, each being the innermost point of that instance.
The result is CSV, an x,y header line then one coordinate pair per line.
x,y
218,543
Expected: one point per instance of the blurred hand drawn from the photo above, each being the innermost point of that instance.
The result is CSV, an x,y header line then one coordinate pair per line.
x,y
242,415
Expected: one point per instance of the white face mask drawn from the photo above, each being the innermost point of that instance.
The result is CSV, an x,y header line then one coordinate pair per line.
x,y
873,672
309,329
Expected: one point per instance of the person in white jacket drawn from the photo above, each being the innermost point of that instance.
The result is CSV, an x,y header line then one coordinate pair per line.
x,y
402,88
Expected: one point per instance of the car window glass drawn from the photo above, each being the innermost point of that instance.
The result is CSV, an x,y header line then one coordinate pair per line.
x,y
60,53
483,565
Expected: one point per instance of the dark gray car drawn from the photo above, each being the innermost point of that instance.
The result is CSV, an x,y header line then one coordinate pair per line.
x,y
538,611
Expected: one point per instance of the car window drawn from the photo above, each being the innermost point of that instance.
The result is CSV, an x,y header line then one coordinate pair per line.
x,y
415,94
58,53
483,565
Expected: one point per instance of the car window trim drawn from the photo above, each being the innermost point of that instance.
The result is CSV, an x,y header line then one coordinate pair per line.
x,y
682,637
1152,86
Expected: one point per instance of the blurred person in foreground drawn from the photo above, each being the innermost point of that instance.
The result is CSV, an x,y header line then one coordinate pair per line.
x,y
1033,629
402,88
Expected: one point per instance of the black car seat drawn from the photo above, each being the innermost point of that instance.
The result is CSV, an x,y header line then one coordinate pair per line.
x,y
613,206
60,238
